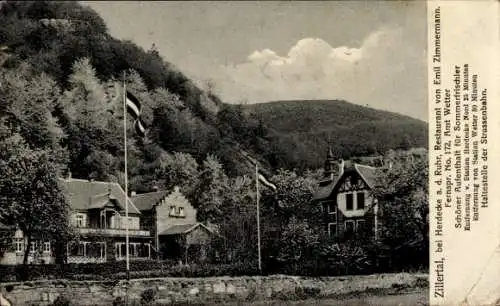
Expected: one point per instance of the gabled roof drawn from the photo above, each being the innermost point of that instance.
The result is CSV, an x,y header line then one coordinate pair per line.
x,y
183,229
85,195
146,201
367,173
324,189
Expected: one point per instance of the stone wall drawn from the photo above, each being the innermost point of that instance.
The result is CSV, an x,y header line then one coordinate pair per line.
x,y
205,290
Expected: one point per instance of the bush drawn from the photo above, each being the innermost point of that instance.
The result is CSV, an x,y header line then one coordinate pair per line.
x,y
117,270
119,301
148,296
61,301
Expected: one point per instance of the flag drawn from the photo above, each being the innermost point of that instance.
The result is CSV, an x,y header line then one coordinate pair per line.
x,y
134,109
265,181
260,176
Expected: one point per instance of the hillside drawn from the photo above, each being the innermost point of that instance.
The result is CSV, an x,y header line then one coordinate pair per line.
x,y
60,66
302,129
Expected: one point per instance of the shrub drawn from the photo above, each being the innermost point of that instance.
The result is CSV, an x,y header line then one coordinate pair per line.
x,y
148,296
61,301
119,301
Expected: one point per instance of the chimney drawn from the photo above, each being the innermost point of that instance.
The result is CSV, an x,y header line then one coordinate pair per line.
x,y
132,193
341,166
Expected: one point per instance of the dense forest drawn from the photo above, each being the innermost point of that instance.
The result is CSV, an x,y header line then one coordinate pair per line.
x,y
68,48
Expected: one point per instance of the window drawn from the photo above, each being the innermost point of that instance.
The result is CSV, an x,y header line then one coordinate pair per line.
x,y
81,249
360,226
19,244
79,220
181,211
46,246
102,249
172,210
33,246
96,250
349,201
360,200
349,227
330,206
332,229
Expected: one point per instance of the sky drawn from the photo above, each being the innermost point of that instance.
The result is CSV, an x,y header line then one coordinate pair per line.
x,y
367,53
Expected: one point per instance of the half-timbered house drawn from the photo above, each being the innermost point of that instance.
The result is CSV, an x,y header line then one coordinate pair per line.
x,y
347,205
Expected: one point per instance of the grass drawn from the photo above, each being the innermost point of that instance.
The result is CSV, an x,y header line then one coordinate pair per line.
x,y
407,299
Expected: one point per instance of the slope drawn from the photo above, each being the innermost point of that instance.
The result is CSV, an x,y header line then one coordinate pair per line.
x,y
300,130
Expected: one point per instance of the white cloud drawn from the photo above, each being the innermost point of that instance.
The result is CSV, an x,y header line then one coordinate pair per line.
x,y
386,71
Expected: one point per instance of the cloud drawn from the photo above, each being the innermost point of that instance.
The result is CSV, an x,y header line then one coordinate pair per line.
x,y
386,71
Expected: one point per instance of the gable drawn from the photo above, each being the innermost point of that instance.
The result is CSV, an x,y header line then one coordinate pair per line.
x,y
146,201
352,182
84,195
176,198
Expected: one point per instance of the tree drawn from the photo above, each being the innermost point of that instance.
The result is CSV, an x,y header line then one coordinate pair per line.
x,y
403,196
211,189
30,194
286,213
237,226
91,124
297,243
27,102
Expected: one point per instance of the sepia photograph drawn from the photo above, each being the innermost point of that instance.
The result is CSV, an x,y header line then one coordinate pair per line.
x,y
214,153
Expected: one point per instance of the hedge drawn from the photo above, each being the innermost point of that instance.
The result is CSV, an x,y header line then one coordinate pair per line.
x,y
117,270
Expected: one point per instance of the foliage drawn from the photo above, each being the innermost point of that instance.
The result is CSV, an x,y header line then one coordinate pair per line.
x,y
347,257
211,189
27,102
297,242
404,200
61,300
61,108
30,194
63,40
299,131
148,296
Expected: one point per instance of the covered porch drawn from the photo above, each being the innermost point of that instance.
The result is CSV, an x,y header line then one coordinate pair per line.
x,y
187,243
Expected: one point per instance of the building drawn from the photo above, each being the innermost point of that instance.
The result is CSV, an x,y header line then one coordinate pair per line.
x,y
98,215
347,205
171,219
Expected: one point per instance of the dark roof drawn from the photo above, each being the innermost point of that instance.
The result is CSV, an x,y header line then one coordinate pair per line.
x,y
183,229
367,173
146,201
324,189
85,195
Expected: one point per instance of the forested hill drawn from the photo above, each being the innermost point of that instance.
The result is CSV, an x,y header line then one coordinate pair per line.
x,y
60,90
305,128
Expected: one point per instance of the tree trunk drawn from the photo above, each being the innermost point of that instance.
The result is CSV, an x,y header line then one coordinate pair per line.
x,y
27,248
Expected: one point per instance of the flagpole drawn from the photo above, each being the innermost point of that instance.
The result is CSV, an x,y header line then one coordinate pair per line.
x,y
258,216
126,175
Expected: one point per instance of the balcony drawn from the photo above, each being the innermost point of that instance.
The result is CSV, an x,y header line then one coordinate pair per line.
x,y
110,232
